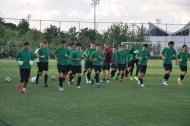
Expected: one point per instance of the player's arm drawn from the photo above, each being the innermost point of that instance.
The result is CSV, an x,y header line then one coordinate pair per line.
x,y
162,54
175,57
39,54
93,58
138,57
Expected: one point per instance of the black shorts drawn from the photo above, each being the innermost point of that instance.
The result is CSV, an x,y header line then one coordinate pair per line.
x,y
183,68
167,67
24,75
43,66
62,68
114,66
106,66
142,68
76,69
133,62
121,67
97,68
88,65
69,68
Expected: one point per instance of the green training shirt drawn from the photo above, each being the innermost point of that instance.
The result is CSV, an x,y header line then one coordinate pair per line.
x,y
184,56
96,55
69,61
114,57
60,54
44,52
89,52
168,53
77,55
121,57
134,48
25,56
144,55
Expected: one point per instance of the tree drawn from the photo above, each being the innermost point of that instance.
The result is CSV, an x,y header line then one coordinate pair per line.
x,y
86,35
23,26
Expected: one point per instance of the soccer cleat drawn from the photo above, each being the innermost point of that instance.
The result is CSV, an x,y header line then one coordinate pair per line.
x,y
164,82
24,92
142,85
19,86
78,87
138,81
45,85
61,89
87,82
108,81
136,78
131,78
98,85
179,81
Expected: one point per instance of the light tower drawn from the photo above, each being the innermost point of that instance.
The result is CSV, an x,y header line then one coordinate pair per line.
x,y
94,4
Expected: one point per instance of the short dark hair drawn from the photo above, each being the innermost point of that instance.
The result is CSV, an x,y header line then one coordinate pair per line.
x,y
106,43
78,44
26,43
62,42
145,45
136,40
170,43
184,46
122,46
45,42
92,42
73,44
97,44
115,47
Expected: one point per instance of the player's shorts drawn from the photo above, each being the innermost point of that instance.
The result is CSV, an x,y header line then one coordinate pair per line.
x,y
69,68
142,68
183,68
62,68
134,62
97,68
121,67
24,75
43,66
106,66
76,69
88,65
114,66
167,67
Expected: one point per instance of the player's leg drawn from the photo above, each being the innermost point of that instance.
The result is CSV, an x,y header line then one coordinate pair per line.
x,y
39,72
137,70
89,66
79,70
182,75
45,68
131,70
104,72
168,69
113,71
119,72
97,74
26,79
22,77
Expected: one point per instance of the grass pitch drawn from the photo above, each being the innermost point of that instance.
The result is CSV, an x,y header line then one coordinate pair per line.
x,y
114,104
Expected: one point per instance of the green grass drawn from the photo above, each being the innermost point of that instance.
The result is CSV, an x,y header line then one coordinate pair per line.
x,y
115,104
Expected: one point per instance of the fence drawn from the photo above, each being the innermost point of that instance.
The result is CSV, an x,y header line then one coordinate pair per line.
x,y
158,34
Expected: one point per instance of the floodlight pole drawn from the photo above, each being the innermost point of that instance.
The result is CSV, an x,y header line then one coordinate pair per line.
x,y
94,4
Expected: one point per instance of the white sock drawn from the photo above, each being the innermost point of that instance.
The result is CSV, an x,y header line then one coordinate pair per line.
x,y
24,89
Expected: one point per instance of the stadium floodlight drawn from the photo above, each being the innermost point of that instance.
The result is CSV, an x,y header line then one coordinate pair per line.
x,y
94,4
